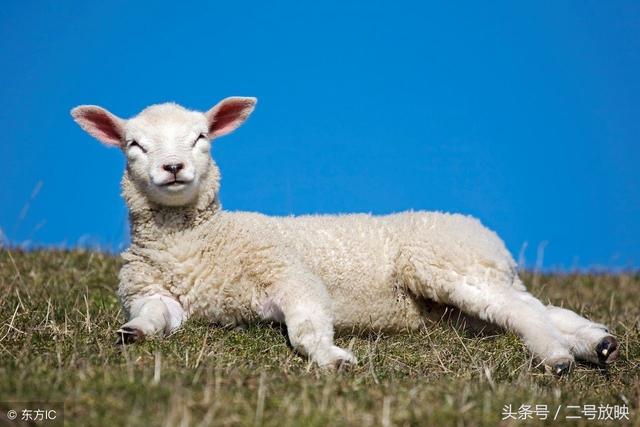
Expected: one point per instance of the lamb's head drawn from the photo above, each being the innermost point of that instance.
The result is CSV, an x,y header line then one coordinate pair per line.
x,y
167,146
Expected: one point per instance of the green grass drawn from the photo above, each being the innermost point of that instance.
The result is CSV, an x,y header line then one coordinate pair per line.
x,y
58,314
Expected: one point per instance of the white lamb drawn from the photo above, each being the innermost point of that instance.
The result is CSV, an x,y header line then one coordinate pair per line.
x,y
188,257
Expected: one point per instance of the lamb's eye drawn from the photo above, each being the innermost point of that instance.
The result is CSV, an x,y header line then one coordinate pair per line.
x,y
135,143
201,136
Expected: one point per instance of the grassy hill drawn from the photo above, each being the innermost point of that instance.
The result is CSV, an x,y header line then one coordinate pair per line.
x,y
58,314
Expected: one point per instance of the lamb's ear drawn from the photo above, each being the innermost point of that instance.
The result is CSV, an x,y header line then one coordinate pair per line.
x,y
229,114
100,124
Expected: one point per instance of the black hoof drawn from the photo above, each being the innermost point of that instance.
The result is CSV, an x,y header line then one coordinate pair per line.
x,y
342,365
562,368
607,350
128,335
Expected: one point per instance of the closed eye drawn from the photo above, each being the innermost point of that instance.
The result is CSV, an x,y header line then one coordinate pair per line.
x,y
135,143
201,136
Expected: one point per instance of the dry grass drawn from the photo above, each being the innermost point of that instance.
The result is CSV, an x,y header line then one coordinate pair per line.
x,y
58,313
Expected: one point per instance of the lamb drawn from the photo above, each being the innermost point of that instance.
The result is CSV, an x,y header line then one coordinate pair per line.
x,y
189,257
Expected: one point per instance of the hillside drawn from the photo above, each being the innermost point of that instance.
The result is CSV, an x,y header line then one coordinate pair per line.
x,y
58,314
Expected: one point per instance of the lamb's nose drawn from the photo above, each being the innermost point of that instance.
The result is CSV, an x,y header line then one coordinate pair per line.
x,y
174,168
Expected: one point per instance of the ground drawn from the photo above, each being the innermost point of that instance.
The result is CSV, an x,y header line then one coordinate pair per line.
x,y
58,314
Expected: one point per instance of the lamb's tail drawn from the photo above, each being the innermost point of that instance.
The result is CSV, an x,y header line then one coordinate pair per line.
x,y
517,282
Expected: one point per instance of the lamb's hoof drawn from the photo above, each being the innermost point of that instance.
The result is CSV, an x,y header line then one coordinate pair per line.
x,y
128,335
607,350
560,367
341,360
343,365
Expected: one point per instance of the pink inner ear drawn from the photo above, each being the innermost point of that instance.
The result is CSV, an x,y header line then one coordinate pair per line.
x,y
229,115
100,124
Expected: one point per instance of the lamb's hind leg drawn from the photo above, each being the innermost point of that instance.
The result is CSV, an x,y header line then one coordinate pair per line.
x,y
515,310
150,315
589,341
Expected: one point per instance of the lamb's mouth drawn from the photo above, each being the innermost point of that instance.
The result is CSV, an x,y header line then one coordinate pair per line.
x,y
177,183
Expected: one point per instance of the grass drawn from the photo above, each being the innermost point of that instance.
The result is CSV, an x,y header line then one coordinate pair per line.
x,y
58,314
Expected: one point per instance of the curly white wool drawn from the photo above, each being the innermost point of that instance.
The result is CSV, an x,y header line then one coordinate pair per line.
x,y
189,257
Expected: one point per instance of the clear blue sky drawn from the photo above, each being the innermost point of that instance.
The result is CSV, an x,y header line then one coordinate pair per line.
x,y
524,114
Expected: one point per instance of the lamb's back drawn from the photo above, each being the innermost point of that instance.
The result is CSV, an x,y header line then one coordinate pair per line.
x,y
361,258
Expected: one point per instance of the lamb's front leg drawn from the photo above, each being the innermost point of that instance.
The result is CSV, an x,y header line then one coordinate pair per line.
x,y
150,315
304,305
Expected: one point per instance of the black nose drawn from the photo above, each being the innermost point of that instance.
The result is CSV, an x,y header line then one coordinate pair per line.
x,y
174,168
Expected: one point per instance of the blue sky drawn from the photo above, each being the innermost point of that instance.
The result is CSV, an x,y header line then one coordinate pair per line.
x,y
524,115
